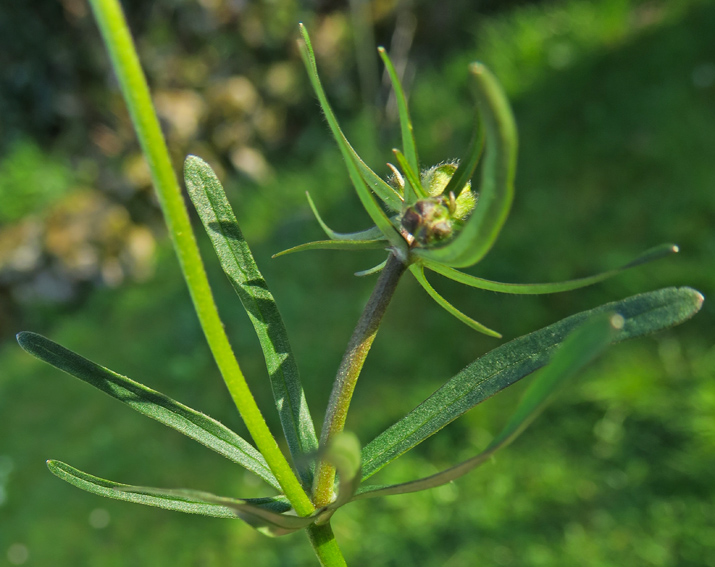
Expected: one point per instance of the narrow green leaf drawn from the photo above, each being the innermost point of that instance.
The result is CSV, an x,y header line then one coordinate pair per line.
x,y
372,270
418,271
238,264
577,350
467,166
413,180
369,234
496,191
377,215
541,288
408,138
643,314
267,518
151,403
352,245
160,498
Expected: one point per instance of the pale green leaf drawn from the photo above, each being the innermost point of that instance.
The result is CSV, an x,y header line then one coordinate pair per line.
x,y
350,245
369,234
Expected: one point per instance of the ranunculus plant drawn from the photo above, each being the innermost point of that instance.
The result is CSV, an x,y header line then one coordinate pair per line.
x,y
426,218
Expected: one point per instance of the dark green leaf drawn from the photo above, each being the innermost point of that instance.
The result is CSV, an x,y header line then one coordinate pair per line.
x,y
412,177
537,288
239,265
151,403
467,166
505,365
579,348
167,499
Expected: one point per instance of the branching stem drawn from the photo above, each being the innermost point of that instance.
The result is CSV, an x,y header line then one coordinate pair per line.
x,y
349,371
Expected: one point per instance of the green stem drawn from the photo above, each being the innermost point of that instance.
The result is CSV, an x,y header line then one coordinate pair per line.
x,y
125,61
349,371
325,546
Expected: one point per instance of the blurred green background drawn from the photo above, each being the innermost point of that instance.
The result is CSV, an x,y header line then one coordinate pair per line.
x,y
615,103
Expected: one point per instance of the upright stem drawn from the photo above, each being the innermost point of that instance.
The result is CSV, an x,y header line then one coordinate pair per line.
x,y
325,547
349,371
125,62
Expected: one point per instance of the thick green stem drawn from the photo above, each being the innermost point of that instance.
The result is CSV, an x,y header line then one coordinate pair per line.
x,y
325,546
349,371
125,61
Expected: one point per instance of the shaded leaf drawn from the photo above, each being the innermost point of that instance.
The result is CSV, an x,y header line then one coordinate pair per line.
x,y
467,166
240,267
577,350
542,288
151,403
509,363
418,272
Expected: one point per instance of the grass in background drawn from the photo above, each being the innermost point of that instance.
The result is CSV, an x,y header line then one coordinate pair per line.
x,y
616,145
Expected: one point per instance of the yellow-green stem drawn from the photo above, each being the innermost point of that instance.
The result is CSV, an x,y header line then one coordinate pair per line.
x,y
325,546
125,61
349,371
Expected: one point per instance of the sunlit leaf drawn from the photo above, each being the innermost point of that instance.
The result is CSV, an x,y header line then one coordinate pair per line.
x,y
372,270
377,215
413,180
509,363
240,267
369,234
151,403
541,288
577,350
408,138
496,190
353,245
160,498
418,271
467,166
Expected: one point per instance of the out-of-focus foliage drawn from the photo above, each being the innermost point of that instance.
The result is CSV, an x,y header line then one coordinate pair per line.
x,y
615,107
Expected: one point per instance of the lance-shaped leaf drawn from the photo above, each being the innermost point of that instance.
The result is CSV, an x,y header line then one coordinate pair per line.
x,y
372,270
377,215
369,234
413,180
496,191
266,517
240,267
408,137
505,365
467,166
418,271
579,348
263,514
351,245
151,403
542,288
